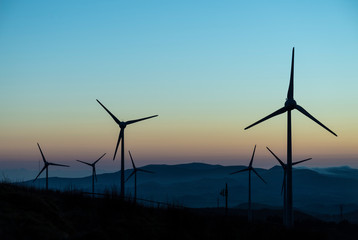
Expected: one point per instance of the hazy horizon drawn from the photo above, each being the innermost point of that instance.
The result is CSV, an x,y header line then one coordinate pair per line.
x,y
28,170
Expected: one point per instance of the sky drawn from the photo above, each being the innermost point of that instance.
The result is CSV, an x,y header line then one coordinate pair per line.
x,y
207,68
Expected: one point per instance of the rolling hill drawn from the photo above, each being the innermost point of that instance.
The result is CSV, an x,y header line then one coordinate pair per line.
x,y
318,192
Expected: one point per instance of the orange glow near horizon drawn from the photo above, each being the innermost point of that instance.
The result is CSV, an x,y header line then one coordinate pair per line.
x,y
165,140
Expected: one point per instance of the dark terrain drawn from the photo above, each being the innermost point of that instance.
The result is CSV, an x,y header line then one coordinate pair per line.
x,y
29,213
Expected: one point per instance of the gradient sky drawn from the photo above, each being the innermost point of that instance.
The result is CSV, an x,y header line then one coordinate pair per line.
x,y
208,68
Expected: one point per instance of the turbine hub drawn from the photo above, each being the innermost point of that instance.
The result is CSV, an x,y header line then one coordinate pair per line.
x,y
122,125
290,104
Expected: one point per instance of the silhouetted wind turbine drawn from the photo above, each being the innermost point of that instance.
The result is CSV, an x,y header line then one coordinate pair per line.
x,y
122,126
135,170
250,168
46,167
283,189
290,105
94,174
225,193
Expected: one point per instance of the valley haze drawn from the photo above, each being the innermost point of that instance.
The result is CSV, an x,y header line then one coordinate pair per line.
x,y
317,191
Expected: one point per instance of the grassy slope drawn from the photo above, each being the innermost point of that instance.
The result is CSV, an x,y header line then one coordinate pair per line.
x,y
27,213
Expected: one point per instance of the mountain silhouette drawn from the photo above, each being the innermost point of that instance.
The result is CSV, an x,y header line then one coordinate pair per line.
x,y
197,185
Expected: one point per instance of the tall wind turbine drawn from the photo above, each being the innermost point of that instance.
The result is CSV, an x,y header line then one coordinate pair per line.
x,y
283,189
46,164
94,174
250,168
290,105
135,170
122,126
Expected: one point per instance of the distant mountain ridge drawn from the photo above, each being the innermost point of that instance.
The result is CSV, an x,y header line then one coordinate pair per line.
x,y
317,191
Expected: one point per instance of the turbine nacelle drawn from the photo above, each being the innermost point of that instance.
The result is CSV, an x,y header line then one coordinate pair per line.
x,y
122,125
290,104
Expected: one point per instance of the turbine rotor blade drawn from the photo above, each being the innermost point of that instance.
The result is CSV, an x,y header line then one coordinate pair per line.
x,y
60,165
39,173
43,157
252,158
279,160
304,112
84,162
143,170
119,139
98,159
141,119
278,112
242,170
290,88
131,175
295,163
258,175
132,160
114,117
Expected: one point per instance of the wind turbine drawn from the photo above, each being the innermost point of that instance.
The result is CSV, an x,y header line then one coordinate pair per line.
x,y
290,105
94,174
225,193
283,189
122,126
250,168
46,166
135,170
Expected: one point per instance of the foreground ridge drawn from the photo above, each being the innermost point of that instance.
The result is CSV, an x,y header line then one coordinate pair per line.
x,y
54,215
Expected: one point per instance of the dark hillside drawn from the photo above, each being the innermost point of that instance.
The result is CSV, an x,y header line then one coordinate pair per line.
x,y
197,185
28,213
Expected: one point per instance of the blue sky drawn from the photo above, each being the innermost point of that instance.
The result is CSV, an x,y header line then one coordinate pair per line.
x,y
208,68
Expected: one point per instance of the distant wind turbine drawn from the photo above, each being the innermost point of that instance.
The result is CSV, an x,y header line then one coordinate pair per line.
x,y
94,174
122,126
283,189
225,193
250,168
290,105
46,164
135,170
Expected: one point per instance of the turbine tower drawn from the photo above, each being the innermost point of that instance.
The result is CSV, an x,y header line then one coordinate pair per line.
x,y
290,105
283,189
250,168
225,193
135,170
122,126
94,174
46,164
